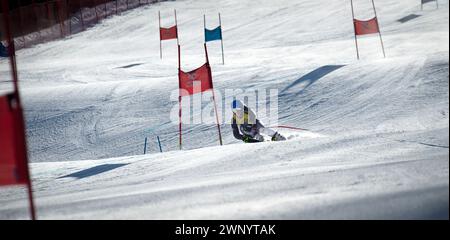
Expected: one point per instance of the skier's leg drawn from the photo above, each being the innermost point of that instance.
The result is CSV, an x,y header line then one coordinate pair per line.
x,y
270,132
256,134
267,131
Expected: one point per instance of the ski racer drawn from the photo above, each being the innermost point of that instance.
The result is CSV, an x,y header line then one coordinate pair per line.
x,y
247,127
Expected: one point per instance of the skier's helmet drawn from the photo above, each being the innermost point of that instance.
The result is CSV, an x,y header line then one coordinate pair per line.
x,y
237,106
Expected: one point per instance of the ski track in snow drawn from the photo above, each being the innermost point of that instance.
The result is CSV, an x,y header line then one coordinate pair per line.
x,y
378,145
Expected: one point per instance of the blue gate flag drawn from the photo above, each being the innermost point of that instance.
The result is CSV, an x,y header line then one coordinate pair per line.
x,y
212,35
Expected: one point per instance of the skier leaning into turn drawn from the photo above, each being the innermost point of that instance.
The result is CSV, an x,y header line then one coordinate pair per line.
x,y
247,127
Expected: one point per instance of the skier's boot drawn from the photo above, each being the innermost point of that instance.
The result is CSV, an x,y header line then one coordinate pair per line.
x,y
259,138
278,137
249,139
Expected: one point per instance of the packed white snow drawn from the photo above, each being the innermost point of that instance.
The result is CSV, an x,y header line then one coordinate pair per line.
x,y
377,145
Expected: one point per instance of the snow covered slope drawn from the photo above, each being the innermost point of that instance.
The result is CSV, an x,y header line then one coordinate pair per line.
x,y
378,146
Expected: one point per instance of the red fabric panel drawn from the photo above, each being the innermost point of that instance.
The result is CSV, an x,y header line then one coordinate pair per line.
x,y
169,33
19,43
110,8
32,38
51,33
13,158
29,19
133,4
121,5
196,81
36,23
101,11
366,27
15,21
89,17
76,25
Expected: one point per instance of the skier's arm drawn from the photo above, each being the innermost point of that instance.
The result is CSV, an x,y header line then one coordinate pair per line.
x,y
236,132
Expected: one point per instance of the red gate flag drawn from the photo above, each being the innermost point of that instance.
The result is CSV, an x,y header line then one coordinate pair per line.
x,y
169,33
13,149
13,159
192,82
196,81
366,27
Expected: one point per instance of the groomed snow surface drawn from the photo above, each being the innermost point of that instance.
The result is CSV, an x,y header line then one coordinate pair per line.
x,y
378,145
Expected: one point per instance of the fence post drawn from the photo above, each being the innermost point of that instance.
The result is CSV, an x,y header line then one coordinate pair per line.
x,y
95,9
81,14
106,9
21,24
159,144
37,20
60,19
69,17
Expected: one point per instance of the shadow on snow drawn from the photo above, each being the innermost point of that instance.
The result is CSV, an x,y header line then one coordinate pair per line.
x,y
299,85
94,171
